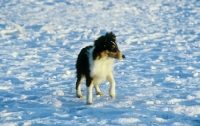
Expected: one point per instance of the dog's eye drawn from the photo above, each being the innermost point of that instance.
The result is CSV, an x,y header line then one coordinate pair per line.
x,y
113,49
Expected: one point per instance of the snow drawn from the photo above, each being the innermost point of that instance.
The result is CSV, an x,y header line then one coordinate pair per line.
x,y
157,83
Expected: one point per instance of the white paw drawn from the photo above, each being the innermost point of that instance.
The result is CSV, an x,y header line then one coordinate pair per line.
x,y
80,96
112,93
100,94
89,103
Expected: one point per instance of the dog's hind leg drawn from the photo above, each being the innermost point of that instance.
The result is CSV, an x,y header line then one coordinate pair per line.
x,y
97,89
110,78
79,81
89,84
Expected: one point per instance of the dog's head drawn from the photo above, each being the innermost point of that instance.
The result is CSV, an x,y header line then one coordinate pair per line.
x,y
107,44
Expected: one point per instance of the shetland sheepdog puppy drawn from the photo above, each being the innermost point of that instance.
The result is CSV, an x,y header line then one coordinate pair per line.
x,y
95,64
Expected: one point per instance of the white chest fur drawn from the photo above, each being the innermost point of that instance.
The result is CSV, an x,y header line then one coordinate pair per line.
x,y
100,68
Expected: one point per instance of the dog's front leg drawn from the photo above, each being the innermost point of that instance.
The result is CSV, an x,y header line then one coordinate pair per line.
x,y
89,84
110,78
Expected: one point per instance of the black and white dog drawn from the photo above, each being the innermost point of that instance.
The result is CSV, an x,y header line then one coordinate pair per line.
x,y
95,63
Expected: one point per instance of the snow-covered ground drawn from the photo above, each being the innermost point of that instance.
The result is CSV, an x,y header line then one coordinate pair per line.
x,y
157,84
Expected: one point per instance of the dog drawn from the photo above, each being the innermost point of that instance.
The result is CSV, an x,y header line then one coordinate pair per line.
x,y
95,64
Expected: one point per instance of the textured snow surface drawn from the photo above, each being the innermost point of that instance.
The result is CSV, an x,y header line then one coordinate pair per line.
x,y
157,84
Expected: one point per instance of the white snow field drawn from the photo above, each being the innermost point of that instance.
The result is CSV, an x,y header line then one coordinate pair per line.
x,y
158,84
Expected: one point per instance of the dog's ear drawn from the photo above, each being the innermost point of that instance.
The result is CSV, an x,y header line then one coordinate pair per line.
x,y
100,42
110,34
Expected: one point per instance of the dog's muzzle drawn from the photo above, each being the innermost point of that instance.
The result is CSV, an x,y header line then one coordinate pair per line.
x,y
117,55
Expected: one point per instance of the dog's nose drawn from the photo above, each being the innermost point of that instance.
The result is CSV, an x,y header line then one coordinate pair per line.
x,y
123,56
